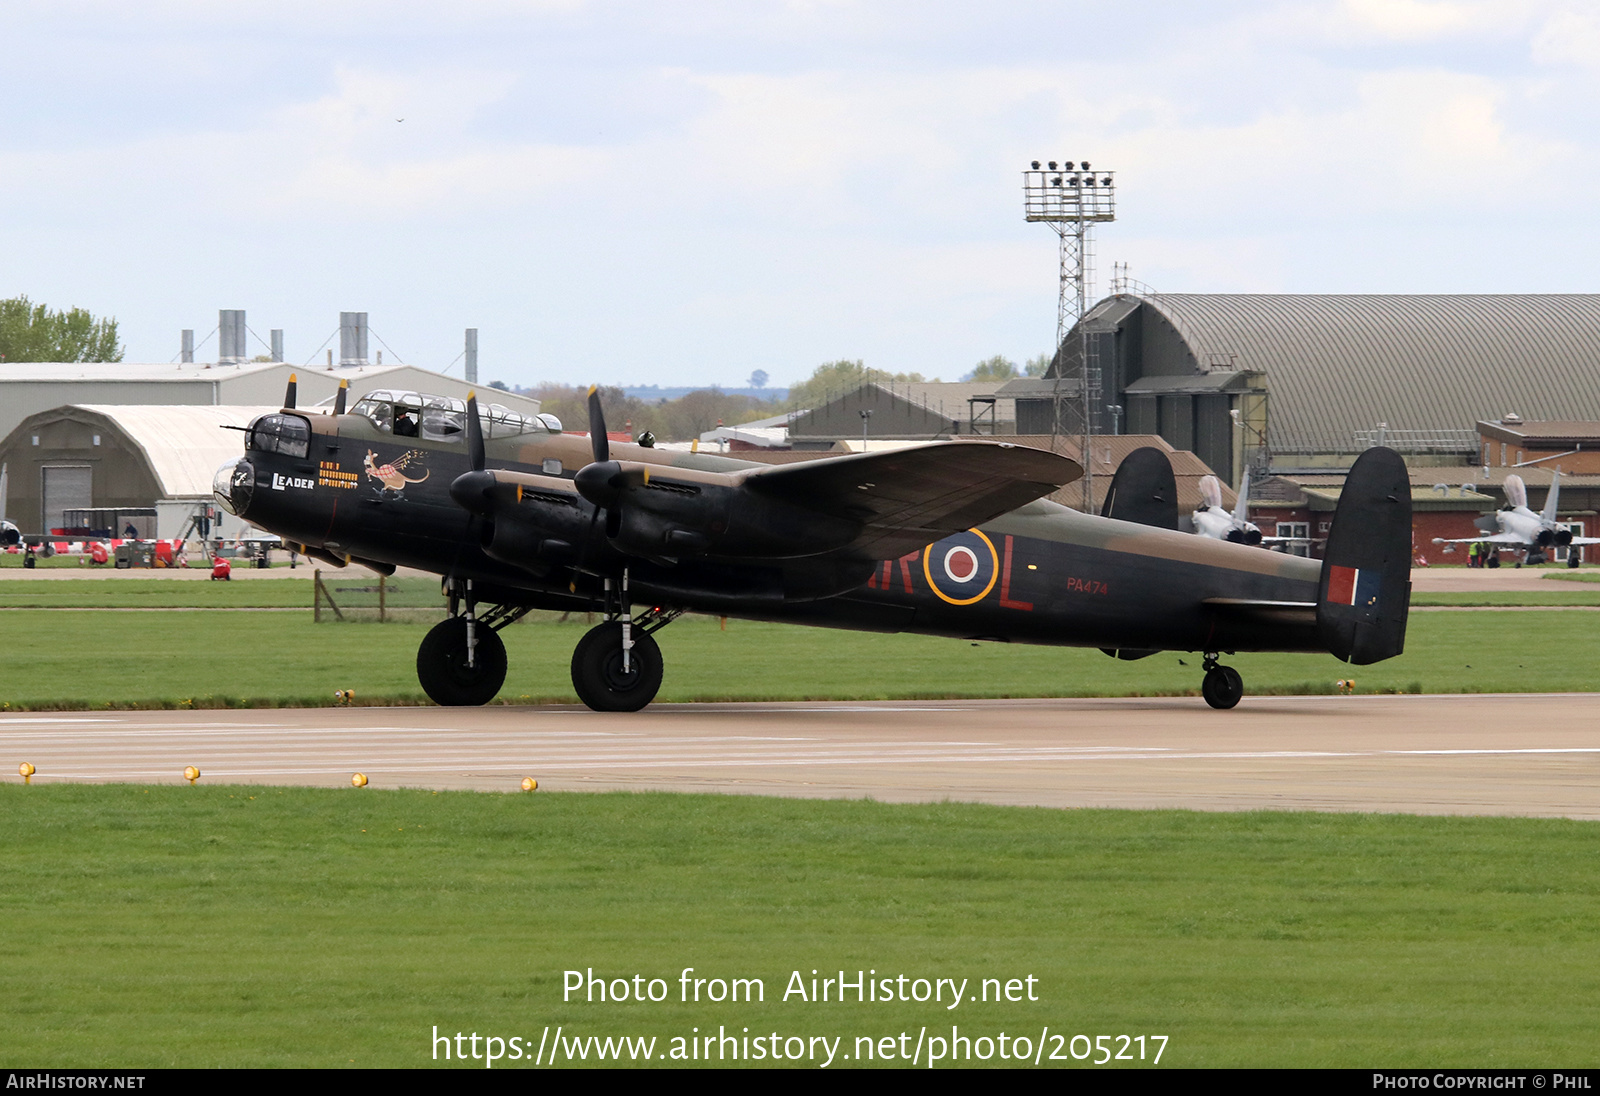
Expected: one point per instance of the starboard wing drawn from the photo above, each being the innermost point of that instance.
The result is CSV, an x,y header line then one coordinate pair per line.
x,y
911,497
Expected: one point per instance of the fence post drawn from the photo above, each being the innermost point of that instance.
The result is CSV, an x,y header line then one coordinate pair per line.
x,y
383,599
321,595
316,595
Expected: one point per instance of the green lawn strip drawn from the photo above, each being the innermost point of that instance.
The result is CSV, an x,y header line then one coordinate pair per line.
x,y
67,660
1572,576
178,926
357,591
1508,597
154,593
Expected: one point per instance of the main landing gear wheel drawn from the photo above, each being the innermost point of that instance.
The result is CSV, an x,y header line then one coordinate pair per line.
x,y
1222,686
442,664
597,672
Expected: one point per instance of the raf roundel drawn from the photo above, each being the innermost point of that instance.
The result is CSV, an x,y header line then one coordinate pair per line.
x,y
960,565
961,569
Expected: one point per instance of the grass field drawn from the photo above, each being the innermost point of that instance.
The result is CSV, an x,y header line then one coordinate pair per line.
x,y
236,656
156,593
163,659
217,926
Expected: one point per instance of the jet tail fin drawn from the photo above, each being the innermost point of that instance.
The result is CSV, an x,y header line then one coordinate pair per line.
x,y
1549,515
1144,490
1364,593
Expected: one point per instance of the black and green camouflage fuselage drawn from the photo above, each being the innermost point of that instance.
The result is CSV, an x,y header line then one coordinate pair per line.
x,y
1040,574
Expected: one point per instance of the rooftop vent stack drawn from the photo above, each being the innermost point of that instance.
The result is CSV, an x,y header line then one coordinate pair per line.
x,y
186,351
472,355
277,344
352,338
230,336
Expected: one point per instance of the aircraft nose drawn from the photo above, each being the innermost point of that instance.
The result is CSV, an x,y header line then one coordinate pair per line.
x,y
234,485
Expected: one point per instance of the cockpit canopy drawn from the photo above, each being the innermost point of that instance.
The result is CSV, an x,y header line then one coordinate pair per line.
x,y
444,418
286,434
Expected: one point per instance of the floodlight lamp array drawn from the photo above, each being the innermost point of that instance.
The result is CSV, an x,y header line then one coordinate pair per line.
x,y
1068,191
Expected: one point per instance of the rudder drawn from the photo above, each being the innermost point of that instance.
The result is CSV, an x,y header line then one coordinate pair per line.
x,y
1364,594
1144,490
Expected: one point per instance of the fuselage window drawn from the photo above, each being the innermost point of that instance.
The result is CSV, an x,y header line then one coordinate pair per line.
x,y
413,415
443,419
286,434
380,412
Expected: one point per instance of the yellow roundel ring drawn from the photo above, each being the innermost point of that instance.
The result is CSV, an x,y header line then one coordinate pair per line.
x,y
994,572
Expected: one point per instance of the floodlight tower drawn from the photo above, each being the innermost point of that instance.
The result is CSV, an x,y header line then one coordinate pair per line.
x,y
1071,198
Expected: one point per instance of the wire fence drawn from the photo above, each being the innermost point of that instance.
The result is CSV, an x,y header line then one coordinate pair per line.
x,y
357,596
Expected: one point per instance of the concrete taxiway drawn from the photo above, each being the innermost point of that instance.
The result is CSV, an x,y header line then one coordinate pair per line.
x,y
1510,755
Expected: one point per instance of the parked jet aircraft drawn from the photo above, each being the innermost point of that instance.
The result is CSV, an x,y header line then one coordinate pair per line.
x,y
949,538
1520,529
1211,520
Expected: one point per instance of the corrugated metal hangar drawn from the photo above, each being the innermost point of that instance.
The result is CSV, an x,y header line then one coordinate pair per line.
x,y
107,457
40,386
1308,381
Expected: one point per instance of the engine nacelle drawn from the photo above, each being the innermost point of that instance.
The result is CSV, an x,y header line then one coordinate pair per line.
x,y
1563,537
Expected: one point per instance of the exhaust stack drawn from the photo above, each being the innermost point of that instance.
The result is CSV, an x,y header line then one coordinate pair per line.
x,y
231,349
352,339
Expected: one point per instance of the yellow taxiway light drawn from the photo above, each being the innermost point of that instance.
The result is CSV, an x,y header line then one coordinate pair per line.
x,y
26,771
359,780
529,784
191,774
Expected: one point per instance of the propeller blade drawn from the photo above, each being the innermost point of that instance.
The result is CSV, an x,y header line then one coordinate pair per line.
x,y
340,397
599,444
288,394
475,454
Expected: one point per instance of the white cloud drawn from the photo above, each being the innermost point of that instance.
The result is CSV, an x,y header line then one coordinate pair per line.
x,y
726,204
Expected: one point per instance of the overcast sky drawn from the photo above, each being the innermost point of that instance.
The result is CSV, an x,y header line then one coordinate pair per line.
x,y
681,193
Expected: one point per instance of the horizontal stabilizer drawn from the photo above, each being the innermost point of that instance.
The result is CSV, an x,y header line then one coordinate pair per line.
x,y
1248,611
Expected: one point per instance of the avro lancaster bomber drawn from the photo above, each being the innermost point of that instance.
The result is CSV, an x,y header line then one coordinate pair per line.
x,y
950,538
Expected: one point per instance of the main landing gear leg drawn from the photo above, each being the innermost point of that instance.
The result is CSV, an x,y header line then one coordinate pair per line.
x,y
617,666
462,661
1222,686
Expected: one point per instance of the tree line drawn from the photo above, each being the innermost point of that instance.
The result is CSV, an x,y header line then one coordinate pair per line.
x,y
37,333
696,413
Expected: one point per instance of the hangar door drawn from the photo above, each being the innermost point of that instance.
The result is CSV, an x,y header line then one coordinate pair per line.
x,y
65,489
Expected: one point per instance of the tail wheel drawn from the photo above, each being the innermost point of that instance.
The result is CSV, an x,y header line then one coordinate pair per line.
x,y
442,664
1222,687
598,674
